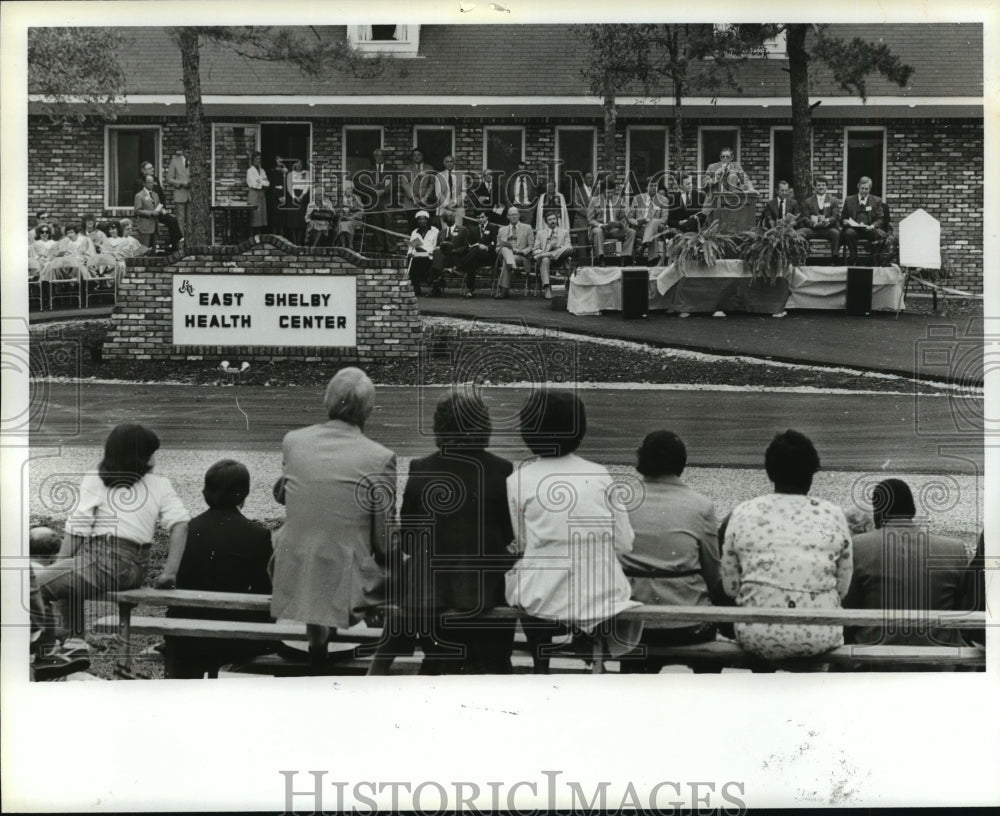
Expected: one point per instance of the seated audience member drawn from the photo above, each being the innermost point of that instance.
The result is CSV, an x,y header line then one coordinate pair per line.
x,y
481,237
551,201
647,215
564,579
780,208
121,243
788,550
40,248
339,491
109,533
607,215
224,552
726,174
552,245
452,246
69,257
974,591
320,217
41,219
423,241
862,217
820,216
454,553
902,565
675,556
350,213
686,208
515,242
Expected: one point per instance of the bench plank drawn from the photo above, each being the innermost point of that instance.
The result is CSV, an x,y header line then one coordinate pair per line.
x,y
237,630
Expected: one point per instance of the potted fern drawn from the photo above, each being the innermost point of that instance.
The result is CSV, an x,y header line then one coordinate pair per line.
x,y
704,247
771,254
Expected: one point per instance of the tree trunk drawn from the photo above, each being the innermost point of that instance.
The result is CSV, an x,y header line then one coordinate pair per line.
x,y
190,48
678,134
798,69
609,158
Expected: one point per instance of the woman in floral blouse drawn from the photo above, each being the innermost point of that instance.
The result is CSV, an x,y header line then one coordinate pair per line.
x,y
788,550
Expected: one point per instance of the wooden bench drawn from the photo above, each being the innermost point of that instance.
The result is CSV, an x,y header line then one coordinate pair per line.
x,y
717,653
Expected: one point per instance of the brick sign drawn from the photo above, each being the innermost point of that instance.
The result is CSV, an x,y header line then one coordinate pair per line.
x,y
264,310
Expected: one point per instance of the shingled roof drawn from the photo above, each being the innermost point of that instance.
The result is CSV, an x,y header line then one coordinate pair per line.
x,y
539,60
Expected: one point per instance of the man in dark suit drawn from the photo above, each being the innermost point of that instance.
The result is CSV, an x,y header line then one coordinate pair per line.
x,y
522,191
862,217
225,552
488,197
580,196
821,216
684,212
452,245
417,187
780,208
481,249
379,188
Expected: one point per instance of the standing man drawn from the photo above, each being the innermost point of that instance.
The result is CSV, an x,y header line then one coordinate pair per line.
x,y
179,180
522,193
607,215
552,201
488,197
147,208
450,192
377,214
552,244
417,185
862,217
821,216
173,226
515,241
726,174
581,195
780,208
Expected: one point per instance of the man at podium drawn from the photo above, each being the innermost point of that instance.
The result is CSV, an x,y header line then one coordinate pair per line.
x,y
726,174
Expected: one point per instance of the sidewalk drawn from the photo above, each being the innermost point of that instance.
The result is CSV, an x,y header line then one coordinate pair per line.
x,y
881,342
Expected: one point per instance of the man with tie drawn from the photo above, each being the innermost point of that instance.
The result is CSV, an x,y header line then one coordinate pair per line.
x,y
450,192
552,201
521,191
171,222
862,217
686,207
607,215
377,214
515,242
452,246
648,215
552,244
726,174
821,216
488,197
179,179
580,195
780,208
416,186
481,246
147,208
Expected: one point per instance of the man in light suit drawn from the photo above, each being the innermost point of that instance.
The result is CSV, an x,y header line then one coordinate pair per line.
x,y
862,217
552,244
607,215
179,179
147,207
515,241
821,216
726,174
338,487
647,216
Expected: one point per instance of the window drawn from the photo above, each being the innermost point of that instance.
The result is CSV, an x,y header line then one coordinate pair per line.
x,y
712,139
435,142
125,148
403,40
645,154
864,155
503,148
576,149
359,144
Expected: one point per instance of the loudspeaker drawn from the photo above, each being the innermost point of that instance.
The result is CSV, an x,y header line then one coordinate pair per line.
x,y
858,302
635,293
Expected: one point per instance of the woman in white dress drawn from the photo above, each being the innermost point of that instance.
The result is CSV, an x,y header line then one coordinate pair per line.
x,y
257,183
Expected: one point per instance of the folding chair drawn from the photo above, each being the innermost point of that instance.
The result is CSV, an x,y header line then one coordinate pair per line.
x,y
74,278
35,282
101,285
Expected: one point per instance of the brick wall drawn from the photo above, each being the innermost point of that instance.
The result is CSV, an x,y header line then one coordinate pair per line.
x,y
388,323
936,164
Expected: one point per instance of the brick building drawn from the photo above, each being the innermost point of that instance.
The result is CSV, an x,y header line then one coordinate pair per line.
x,y
445,91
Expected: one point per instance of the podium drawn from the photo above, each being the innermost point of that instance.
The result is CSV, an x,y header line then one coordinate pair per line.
x,y
735,210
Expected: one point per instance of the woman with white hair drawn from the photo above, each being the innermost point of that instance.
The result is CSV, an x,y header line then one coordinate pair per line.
x,y
339,490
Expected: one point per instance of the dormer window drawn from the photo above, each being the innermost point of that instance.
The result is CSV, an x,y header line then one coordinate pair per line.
x,y
385,39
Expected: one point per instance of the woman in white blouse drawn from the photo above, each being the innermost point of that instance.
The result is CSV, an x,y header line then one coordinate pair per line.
x,y
109,533
297,184
257,182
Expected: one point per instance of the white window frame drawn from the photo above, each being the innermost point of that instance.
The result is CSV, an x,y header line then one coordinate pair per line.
x,y
438,128
343,142
408,44
256,146
157,161
885,156
628,146
737,147
593,130
772,181
487,129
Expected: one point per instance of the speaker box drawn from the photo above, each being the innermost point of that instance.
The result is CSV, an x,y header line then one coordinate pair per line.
x,y
635,292
859,291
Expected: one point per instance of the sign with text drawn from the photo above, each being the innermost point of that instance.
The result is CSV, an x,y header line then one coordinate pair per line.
x,y
265,310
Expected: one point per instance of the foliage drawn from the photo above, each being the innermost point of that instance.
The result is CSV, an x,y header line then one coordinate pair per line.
x,y
706,246
771,254
851,62
77,65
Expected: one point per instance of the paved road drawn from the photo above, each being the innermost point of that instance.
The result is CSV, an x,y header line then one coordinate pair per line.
x,y
851,431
